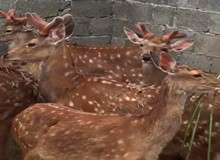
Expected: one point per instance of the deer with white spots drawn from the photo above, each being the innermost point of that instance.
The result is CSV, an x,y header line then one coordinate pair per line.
x,y
66,60
18,91
16,31
200,144
150,43
54,132
61,81
201,139
118,63
115,96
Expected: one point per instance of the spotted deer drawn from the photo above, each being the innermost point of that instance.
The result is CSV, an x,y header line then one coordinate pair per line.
x,y
119,63
13,33
74,89
18,90
200,144
114,95
201,140
43,130
151,43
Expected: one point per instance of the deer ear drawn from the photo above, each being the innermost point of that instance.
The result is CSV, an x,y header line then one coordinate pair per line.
x,y
58,33
181,45
164,62
69,28
132,36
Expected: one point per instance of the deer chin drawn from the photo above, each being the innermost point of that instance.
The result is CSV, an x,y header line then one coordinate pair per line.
x,y
13,59
208,90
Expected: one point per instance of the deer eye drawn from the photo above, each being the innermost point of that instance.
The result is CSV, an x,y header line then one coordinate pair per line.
x,y
197,75
141,45
31,45
165,50
146,58
8,31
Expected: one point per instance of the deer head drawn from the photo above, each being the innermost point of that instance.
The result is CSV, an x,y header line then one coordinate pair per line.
x,y
16,30
51,34
150,43
197,81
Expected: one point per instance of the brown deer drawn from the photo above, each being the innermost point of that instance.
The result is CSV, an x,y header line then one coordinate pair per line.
x,y
15,31
47,50
200,144
18,91
118,63
52,131
87,97
151,43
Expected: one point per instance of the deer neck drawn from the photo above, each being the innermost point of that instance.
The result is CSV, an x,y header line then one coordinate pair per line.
x,y
57,74
163,122
151,74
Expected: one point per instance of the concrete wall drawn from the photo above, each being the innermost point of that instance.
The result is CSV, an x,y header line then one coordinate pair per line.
x,y
101,22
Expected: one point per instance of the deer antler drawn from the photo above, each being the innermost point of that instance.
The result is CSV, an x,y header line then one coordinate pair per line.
x,y
7,17
147,34
43,26
39,19
173,35
11,12
17,20
10,16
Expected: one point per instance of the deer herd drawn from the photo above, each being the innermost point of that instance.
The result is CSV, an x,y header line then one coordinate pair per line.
x,y
64,101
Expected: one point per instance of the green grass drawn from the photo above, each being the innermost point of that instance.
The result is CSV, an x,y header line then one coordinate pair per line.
x,y
193,135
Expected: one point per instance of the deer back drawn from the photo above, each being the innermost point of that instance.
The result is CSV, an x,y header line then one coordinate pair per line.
x,y
118,63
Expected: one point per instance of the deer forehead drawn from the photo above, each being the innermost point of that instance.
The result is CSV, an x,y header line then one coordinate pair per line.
x,y
155,43
9,27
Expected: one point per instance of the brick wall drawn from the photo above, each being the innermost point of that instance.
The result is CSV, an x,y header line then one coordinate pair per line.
x,y
101,22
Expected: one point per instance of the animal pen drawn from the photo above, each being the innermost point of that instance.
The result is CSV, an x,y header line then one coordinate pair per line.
x,y
109,80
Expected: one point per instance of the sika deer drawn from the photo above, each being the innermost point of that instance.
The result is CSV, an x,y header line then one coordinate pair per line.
x,y
52,131
87,96
18,90
118,63
151,43
200,145
73,89
48,50
15,31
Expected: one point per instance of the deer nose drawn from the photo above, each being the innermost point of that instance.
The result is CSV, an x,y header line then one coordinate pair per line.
x,y
146,58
